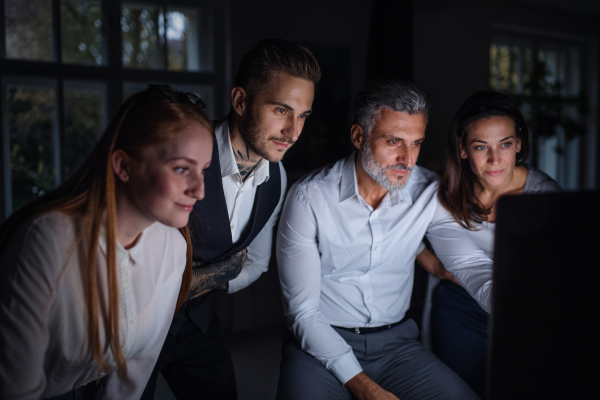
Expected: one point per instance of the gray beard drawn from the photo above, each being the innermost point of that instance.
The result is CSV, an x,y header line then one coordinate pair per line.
x,y
378,173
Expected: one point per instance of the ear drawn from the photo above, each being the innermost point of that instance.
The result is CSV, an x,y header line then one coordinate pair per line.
x,y
121,165
463,153
357,135
239,99
519,145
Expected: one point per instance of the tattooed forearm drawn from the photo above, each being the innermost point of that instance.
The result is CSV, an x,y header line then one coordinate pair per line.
x,y
215,276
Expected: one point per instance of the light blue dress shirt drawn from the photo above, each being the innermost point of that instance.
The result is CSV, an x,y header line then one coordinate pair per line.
x,y
343,263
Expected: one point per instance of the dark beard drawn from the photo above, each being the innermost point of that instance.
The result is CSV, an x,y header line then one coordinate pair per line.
x,y
251,133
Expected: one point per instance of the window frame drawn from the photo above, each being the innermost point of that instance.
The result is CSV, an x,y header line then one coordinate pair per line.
x,y
589,170
112,73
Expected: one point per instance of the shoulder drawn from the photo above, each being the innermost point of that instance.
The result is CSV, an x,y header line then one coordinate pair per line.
x,y
423,181
53,228
424,175
539,182
325,178
39,248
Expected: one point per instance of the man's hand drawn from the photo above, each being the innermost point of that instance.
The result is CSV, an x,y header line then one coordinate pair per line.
x,y
207,277
364,388
434,266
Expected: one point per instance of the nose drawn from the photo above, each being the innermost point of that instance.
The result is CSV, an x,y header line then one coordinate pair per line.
x,y
293,128
406,156
196,189
493,156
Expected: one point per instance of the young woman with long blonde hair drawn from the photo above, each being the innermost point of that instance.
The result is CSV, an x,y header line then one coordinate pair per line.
x,y
92,273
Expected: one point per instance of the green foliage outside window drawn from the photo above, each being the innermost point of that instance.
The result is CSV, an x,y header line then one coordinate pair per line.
x,y
30,119
81,32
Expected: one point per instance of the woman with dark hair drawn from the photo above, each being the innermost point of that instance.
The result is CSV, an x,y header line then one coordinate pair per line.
x,y
487,148
92,273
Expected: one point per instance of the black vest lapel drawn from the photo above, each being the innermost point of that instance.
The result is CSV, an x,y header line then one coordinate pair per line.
x,y
209,221
265,201
211,233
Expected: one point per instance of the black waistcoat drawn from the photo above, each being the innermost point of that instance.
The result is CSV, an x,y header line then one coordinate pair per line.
x,y
211,233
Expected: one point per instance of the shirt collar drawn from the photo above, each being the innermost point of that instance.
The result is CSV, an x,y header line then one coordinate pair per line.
x,y
227,159
349,184
136,252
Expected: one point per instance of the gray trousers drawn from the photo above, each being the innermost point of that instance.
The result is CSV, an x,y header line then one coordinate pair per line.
x,y
393,358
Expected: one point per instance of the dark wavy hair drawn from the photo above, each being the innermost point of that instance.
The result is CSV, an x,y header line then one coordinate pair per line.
x,y
457,186
270,56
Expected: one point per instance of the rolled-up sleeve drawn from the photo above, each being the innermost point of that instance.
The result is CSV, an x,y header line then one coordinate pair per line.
x,y
299,264
461,256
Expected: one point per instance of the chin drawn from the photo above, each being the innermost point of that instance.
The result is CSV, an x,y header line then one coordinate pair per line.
x,y
175,222
274,156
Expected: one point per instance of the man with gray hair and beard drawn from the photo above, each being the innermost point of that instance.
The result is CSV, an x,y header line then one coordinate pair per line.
x,y
348,237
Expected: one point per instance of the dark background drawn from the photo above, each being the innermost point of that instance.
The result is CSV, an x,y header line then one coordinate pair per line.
x,y
444,46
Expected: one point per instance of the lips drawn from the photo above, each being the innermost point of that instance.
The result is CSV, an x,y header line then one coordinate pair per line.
x,y
494,173
185,207
399,172
280,144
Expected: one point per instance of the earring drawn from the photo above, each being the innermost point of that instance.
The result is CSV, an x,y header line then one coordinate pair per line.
x,y
126,178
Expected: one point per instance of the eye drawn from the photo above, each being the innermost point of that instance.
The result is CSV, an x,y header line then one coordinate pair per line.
x,y
479,147
181,170
418,144
393,141
506,144
281,110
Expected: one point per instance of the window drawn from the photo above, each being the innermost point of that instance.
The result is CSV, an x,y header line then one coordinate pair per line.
x,y
68,64
547,76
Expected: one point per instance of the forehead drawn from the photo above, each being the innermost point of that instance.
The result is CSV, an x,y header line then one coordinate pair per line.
x,y
193,141
285,88
399,124
497,127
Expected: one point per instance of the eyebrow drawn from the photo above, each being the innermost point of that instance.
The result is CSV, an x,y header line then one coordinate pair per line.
x,y
501,140
190,160
288,107
387,137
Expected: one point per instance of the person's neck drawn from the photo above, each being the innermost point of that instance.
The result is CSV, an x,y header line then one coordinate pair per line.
x,y
130,223
245,157
371,191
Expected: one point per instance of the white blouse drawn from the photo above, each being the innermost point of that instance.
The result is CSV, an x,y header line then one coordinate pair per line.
x,y
43,330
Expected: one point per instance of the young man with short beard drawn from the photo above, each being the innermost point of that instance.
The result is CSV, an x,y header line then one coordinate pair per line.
x,y
232,228
346,247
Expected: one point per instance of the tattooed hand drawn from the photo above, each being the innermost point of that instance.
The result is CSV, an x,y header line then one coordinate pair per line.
x,y
207,277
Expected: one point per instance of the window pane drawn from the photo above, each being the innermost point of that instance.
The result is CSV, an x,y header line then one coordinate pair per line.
x,y
84,121
142,33
183,39
29,29
31,140
131,88
81,25
205,93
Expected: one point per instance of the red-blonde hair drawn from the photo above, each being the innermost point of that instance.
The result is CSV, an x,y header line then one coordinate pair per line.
x,y
145,119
